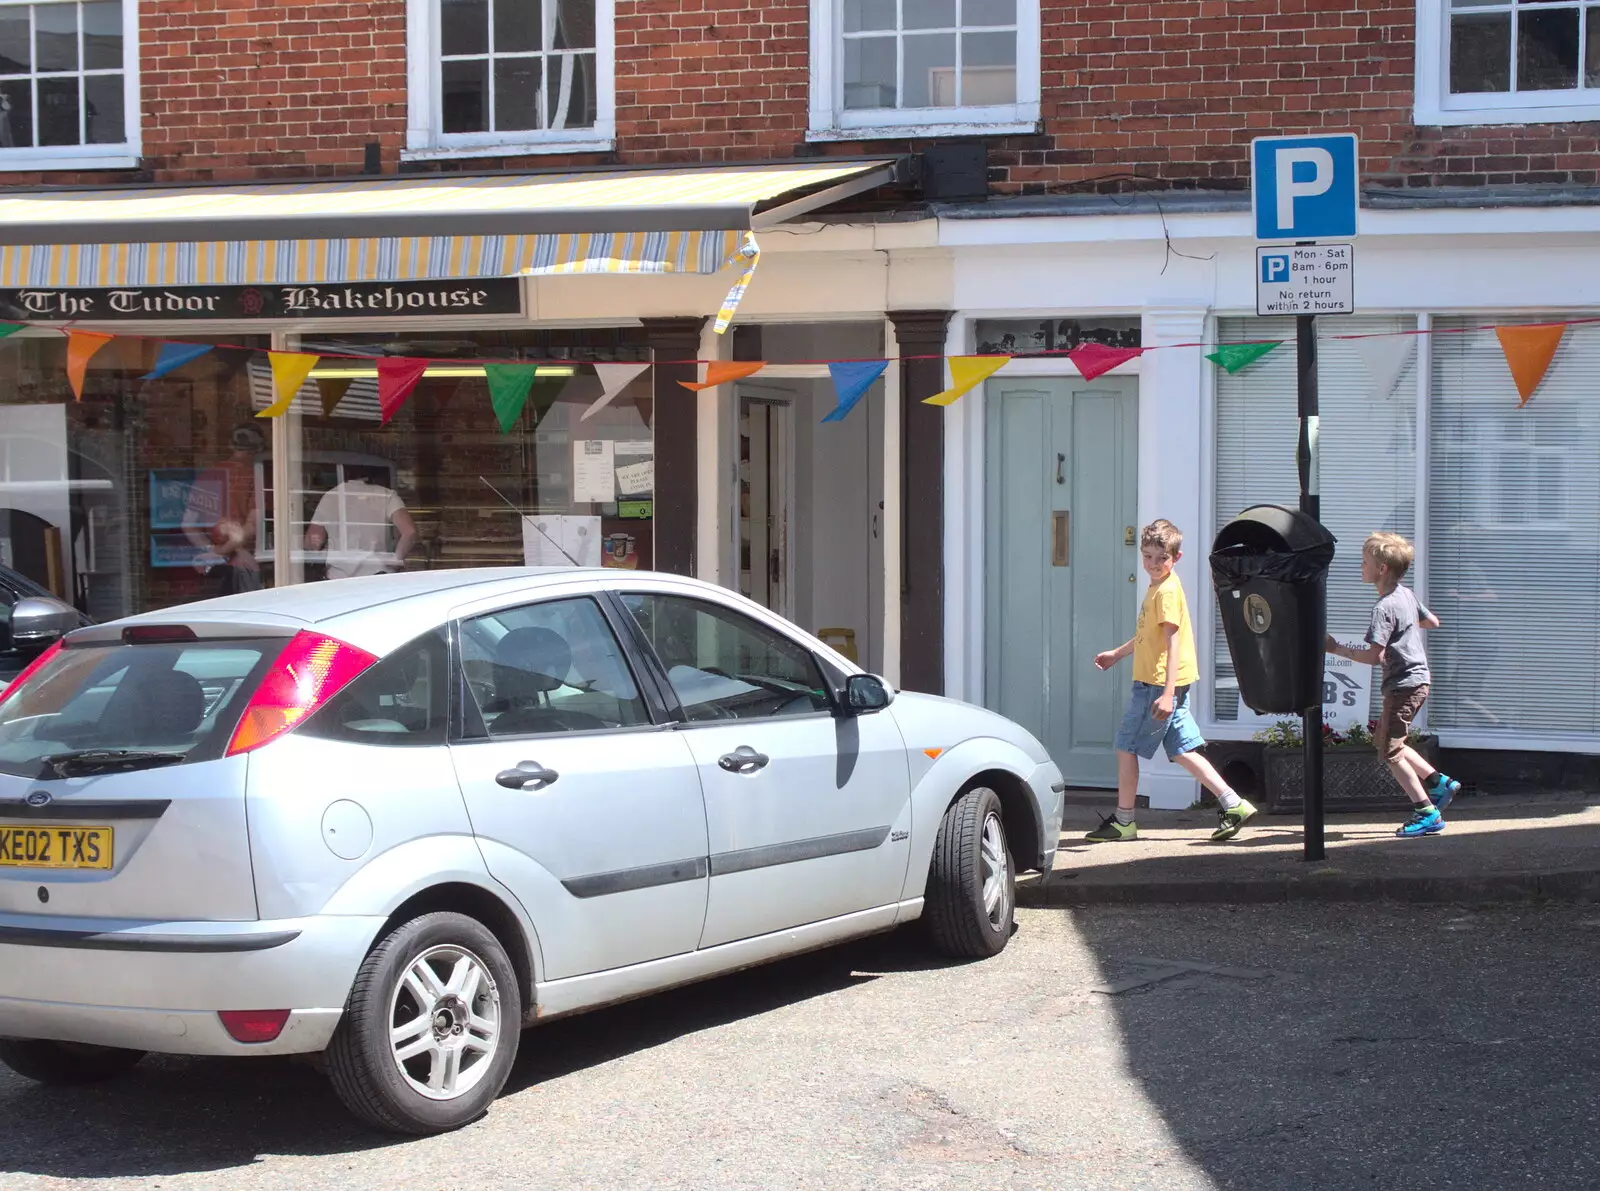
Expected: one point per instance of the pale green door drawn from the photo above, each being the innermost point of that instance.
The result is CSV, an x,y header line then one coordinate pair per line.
x,y
1061,562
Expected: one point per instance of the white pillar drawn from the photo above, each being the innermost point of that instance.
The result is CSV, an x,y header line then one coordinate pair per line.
x,y
1171,475
892,507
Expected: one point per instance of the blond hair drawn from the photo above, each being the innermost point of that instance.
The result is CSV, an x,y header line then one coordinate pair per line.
x,y
1392,551
1162,533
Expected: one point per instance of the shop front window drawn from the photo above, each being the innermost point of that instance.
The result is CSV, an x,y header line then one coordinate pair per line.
x,y
144,494
441,486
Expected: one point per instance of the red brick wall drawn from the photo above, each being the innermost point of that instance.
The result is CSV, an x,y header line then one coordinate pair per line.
x,y
1169,91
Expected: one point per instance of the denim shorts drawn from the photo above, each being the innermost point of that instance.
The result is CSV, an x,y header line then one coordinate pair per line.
x,y
1141,732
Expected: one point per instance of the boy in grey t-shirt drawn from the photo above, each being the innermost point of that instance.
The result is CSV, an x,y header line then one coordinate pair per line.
x,y
1395,639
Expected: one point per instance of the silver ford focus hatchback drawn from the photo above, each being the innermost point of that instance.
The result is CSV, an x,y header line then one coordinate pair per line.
x,y
394,820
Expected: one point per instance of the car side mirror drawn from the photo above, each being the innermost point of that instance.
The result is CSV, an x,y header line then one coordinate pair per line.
x,y
38,622
866,693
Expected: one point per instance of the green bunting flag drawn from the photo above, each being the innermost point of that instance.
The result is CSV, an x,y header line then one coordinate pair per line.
x,y
10,329
1231,357
509,385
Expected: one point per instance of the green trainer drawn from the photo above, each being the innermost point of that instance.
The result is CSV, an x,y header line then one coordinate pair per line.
x,y
1229,822
1110,831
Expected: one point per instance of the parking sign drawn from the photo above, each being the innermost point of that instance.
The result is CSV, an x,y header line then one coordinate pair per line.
x,y
1304,187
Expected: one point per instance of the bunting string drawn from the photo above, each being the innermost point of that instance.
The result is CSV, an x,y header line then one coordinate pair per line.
x,y
1529,350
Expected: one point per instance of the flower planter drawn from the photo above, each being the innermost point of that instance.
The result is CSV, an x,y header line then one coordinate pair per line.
x,y
1354,778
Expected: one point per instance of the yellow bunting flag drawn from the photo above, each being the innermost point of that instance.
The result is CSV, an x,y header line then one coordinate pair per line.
x,y
81,347
1529,351
966,374
720,371
289,372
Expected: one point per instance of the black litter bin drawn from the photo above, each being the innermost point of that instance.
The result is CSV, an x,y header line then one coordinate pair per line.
x,y
1270,569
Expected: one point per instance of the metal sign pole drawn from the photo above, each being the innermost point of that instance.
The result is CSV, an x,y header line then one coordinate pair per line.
x,y
1311,505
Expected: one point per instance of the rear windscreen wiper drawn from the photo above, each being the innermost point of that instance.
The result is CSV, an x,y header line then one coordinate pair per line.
x,y
92,761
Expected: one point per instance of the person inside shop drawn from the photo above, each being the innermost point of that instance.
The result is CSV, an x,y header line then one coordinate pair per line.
x,y
352,523
220,519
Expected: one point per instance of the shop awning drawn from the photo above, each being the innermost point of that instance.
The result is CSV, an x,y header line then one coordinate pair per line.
x,y
412,228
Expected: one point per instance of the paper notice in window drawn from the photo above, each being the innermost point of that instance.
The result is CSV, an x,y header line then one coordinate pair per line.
x,y
593,471
561,541
637,479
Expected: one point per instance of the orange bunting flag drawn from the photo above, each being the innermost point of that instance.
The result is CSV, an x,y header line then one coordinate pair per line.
x,y
966,374
1529,351
721,371
289,372
397,376
81,347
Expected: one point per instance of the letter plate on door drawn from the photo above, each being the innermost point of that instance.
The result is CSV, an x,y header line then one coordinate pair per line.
x,y
1060,539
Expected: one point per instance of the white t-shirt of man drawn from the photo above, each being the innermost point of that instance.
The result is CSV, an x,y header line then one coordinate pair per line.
x,y
357,516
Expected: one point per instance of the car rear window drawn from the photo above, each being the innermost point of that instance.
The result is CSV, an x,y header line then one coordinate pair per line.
x,y
124,706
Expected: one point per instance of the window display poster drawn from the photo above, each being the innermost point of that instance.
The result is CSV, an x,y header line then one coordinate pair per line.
x,y
636,478
561,541
594,478
175,491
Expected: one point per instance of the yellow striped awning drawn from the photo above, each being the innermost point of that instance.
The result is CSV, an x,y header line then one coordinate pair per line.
x,y
412,228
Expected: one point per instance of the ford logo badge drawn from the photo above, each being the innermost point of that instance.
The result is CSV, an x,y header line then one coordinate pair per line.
x,y
39,798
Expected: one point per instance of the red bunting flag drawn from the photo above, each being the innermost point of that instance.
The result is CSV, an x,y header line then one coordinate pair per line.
x,y
1096,359
397,376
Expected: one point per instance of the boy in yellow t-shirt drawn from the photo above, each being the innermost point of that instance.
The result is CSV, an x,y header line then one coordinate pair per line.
x,y
1164,668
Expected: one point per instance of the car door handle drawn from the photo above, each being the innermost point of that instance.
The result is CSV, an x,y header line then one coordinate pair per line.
x,y
743,759
529,775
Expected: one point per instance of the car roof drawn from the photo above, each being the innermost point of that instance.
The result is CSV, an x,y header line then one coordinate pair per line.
x,y
382,612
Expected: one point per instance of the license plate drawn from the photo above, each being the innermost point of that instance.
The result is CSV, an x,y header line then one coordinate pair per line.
x,y
55,846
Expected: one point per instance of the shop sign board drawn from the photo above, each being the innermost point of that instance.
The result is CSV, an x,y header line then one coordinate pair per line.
x,y
245,303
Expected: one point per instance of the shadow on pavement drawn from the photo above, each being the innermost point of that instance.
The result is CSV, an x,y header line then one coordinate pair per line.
x,y
1396,1047
176,1115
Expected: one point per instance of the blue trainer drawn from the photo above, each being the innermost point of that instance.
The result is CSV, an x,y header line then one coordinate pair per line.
x,y
1428,822
1443,788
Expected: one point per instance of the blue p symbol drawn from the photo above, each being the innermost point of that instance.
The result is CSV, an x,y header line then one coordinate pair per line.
x,y
1274,268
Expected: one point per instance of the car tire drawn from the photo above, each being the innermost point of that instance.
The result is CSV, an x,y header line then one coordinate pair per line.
x,y
64,1064
970,903
441,1076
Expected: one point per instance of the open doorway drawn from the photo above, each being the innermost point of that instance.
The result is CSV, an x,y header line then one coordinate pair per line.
x,y
809,513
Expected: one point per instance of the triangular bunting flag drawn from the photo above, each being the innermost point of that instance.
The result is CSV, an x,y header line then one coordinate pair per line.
x,y
1096,359
397,376
174,356
966,373
81,347
852,378
508,391
289,372
1386,357
332,390
10,328
720,371
613,379
1231,357
1529,351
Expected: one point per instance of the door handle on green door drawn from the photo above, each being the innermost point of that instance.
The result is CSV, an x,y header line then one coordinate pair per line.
x,y
529,775
1061,461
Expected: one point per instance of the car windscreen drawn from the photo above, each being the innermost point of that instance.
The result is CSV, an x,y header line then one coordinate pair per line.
x,y
105,708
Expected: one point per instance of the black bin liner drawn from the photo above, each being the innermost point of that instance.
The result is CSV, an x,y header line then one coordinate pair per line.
x,y
1269,566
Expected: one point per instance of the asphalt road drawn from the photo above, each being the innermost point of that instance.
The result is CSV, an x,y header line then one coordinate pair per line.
x,y
1371,1047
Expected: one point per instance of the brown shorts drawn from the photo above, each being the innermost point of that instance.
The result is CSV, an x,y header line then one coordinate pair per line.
x,y
1394,724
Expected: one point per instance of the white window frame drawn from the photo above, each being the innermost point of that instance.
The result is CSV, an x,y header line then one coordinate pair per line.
x,y
831,122
90,157
1436,106
425,137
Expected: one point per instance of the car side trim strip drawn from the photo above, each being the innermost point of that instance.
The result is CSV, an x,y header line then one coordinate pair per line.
x,y
79,809
767,856
625,880
33,936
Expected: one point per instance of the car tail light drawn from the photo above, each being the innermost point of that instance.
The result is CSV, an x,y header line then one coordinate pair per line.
x,y
33,667
311,670
157,634
253,1025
